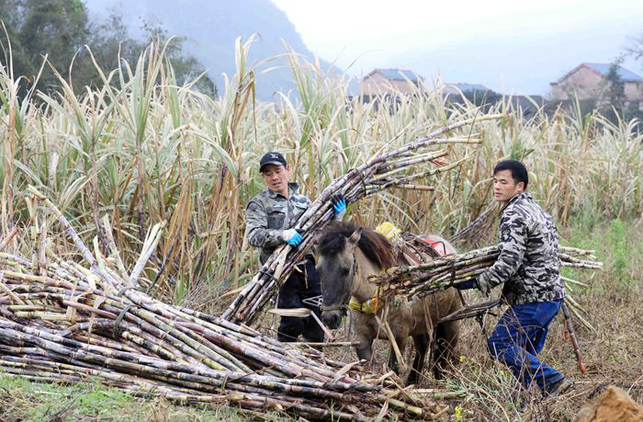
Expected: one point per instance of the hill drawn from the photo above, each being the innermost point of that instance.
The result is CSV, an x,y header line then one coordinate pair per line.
x,y
211,28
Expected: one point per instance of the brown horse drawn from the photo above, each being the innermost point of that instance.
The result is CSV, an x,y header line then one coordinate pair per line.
x,y
346,256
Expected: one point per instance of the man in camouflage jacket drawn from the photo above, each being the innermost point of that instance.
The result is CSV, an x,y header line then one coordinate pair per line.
x,y
528,266
270,218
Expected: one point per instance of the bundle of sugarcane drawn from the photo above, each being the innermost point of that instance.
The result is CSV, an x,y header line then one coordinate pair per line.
x,y
61,321
450,270
444,272
381,172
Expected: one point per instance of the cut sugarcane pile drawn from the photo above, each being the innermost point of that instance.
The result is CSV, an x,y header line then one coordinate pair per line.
x,y
61,321
442,273
381,172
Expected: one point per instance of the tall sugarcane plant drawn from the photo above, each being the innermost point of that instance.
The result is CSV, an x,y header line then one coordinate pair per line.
x,y
144,150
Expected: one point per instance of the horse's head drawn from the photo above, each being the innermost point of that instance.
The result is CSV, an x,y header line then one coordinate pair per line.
x,y
338,262
336,265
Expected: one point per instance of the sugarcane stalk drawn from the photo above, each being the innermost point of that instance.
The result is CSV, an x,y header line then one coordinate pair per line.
x,y
71,232
572,335
113,248
151,242
14,231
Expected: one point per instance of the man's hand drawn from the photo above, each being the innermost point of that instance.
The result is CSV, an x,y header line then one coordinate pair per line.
x,y
339,206
484,286
472,283
292,237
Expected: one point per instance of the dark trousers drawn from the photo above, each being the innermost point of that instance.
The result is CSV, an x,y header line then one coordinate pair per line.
x,y
519,336
299,286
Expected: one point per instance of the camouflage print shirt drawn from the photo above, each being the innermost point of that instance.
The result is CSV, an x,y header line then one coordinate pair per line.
x,y
269,214
528,261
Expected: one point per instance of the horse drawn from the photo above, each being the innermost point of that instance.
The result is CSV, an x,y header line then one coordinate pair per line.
x,y
346,255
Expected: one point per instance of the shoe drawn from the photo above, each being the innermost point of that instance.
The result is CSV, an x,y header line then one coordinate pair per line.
x,y
558,387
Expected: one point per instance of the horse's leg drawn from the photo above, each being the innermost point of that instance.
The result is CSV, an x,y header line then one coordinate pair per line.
x,y
447,339
364,349
392,357
421,342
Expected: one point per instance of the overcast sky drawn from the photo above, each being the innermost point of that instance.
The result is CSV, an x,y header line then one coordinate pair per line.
x,y
510,46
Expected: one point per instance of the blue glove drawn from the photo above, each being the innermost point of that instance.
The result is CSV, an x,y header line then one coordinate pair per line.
x,y
292,237
339,206
472,283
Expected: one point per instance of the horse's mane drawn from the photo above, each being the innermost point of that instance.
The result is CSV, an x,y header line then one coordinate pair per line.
x,y
375,246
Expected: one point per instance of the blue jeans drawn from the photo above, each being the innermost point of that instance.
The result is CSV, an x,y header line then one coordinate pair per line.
x,y
519,336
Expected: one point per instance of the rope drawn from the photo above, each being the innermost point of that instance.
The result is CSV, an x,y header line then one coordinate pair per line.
x,y
119,319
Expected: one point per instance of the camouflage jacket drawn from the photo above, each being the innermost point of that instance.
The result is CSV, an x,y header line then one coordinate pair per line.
x,y
269,214
528,261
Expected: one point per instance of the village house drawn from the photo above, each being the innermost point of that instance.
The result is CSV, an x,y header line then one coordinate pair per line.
x,y
587,81
389,82
463,87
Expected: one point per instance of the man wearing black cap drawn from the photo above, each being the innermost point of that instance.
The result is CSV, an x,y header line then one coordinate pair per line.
x,y
270,218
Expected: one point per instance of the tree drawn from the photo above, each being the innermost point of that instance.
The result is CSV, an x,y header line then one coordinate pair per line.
x,y
186,66
615,87
56,29
635,49
60,30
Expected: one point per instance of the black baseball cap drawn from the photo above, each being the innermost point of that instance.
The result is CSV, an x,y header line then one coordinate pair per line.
x,y
272,158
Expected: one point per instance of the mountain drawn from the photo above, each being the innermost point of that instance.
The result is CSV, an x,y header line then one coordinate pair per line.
x,y
211,28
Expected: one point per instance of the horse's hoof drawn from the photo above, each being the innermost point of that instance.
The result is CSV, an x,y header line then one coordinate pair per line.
x,y
412,379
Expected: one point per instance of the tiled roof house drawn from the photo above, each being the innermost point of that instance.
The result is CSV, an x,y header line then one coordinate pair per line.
x,y
389,81
588,81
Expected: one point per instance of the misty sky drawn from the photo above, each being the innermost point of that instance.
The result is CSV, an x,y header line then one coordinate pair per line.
x,y
509,46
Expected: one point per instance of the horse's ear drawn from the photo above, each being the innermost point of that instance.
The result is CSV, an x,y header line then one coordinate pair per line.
x,y
355,237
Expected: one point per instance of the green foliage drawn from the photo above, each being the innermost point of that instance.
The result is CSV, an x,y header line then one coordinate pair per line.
x,y
484,100
620,244
615,244
60,29
615,106
616,87
31,401
37,28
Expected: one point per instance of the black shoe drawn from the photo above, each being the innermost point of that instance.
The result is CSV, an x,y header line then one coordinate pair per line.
x,y
558,387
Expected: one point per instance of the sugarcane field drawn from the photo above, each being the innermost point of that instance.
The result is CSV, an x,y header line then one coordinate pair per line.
x,y
170,253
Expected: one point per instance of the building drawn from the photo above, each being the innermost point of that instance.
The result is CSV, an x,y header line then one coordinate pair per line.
x,y
390,82
587,81
457,88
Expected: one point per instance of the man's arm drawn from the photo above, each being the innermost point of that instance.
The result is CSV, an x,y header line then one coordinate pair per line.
x,y
257,231
513,243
